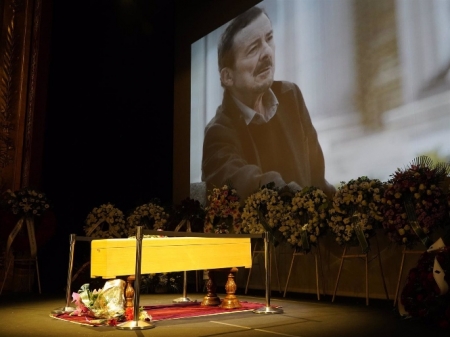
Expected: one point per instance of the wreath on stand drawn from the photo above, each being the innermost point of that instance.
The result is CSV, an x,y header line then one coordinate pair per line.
x,y
416,202
188,215
150,215
27,222
18,208
105,221
265,211
356,211
223,213
307,219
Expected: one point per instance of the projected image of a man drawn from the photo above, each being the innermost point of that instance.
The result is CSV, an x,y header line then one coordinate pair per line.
x,y
262,131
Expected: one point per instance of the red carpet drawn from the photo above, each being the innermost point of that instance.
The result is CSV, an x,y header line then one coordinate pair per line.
x,y
166,312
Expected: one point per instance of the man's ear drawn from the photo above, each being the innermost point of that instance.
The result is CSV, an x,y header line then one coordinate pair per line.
x,y
226,77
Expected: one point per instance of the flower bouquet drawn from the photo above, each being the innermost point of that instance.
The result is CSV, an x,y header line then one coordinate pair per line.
x,y
150,216
223,213
356,211
307,219
107,302
105,221
415,203
265,211
106,305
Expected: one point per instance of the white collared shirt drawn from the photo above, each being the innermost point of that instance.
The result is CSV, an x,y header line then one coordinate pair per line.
x,y
270,104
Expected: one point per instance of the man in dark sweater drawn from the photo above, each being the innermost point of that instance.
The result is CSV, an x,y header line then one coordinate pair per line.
x,y
262,131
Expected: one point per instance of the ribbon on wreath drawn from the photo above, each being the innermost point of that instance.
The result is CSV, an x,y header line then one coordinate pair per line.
x,y
304,218
29,221
419,232
304,238
438,271
274,236
98,223
182,223
412,220
355,221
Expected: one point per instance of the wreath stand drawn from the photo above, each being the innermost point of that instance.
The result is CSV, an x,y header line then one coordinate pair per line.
x,y
412,219
400,273
9,256
317,258
364,256
257,250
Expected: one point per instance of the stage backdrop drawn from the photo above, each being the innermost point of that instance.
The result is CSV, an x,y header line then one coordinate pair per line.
x,y
375,76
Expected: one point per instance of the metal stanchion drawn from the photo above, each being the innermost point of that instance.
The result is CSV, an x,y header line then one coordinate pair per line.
x,y
136,324
267,309
68,308
183,299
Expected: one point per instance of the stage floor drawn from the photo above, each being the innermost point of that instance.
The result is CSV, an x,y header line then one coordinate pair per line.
x,y
28,314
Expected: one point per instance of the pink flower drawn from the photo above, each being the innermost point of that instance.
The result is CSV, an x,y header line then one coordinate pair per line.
x,y
81,309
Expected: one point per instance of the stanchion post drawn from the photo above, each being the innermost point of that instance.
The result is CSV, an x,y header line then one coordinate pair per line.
x,y
68,308
137,324
72,240
268,309
184,299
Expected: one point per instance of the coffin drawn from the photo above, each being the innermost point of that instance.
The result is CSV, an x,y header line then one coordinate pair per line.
x,y
117,257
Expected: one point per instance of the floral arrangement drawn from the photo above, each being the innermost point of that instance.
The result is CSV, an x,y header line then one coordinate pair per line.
x,y
307,219
150,215
415,203
265,210
356,211
106,305
189,212
421,296
27,202
105,221
223,213
107,302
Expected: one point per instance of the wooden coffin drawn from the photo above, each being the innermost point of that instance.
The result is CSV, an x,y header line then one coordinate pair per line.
x,y
117,257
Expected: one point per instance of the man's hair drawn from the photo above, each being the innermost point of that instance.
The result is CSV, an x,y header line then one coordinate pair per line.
x,y
224,50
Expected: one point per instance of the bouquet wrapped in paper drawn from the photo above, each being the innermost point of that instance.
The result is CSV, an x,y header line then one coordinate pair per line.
x,y
107,303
